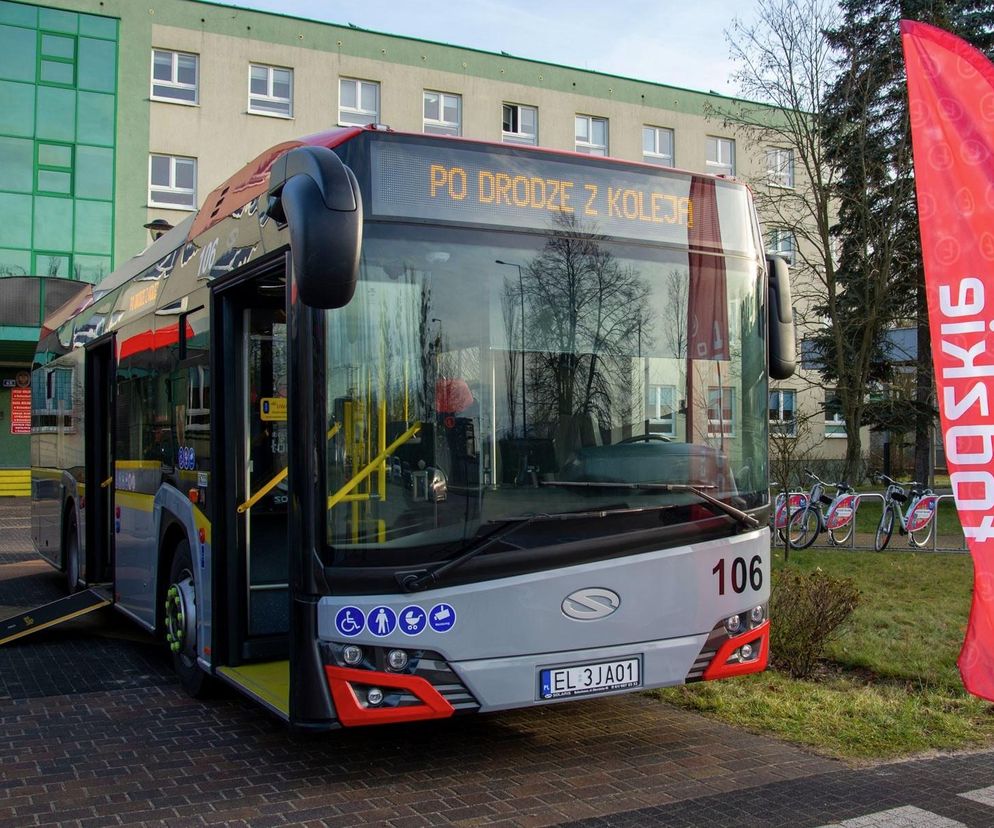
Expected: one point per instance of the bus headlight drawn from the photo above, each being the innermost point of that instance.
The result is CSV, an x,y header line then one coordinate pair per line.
x,y
733,624
352,655
397,660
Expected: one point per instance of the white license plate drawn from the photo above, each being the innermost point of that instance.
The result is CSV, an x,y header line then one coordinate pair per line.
x,y
554,683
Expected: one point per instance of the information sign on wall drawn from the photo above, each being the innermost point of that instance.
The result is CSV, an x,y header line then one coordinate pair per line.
x,y
20,411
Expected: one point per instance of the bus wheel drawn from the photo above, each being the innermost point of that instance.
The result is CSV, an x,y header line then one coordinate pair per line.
x,y
181,622
72,555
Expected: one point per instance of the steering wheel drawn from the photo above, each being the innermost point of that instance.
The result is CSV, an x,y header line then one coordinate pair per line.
x,y
647,438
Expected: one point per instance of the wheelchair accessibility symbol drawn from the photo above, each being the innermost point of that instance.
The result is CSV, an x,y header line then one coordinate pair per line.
x,y
350,621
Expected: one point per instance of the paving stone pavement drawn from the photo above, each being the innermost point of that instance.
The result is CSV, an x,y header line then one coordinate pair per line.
x,y
95,731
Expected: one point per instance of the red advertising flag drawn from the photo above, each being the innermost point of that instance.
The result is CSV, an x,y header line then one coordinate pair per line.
x,y
951,102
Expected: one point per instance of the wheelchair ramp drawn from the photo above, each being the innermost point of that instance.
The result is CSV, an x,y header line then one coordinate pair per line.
x,y
48,615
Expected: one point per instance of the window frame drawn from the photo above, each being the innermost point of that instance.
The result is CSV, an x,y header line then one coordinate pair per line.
x,y
358,110
780,235
661,425
69,170
43,58
775,174
719,166
174,82
588,147
778,424
657,157
269,96
171,187
837,423
720,427
518,137
439,126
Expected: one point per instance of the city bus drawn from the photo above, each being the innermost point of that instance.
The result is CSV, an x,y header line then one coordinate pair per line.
x,y
398,427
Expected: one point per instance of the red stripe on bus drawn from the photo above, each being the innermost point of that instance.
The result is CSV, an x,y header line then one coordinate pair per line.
x,y
351,712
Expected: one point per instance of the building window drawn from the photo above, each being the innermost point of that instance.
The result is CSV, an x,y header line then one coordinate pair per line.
x,y
783,244
174,76
780,167
721,156
835,424
442,113
721,411
660,409
54,169
57,59
172,182
358,102
270,91
657,145
520,124
591,135
53,389
783,405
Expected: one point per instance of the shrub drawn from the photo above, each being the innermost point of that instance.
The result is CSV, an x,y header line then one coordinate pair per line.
x,y
806,610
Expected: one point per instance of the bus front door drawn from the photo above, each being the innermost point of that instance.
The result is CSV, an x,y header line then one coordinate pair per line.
x,y
249,343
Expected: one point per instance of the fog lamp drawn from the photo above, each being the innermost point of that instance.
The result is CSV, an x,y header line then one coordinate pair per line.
x,y
352,655
397,659
374,696
733,623
745,652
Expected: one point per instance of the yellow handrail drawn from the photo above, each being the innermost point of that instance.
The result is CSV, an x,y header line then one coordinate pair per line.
x,y
107,482
248,504
371,466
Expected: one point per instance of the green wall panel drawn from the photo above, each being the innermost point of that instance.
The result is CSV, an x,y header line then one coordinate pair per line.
x,y
18,54
16,164
17,114
53,224
95,119
15,229
55,118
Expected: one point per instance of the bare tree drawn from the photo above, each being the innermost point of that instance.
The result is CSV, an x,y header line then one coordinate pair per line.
x,y
585,314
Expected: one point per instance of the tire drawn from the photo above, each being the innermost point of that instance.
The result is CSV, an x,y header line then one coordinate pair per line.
x,y
803,528
920,537
72,554
884,530
180,620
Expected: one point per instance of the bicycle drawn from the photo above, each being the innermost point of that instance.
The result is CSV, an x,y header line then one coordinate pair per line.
x,y
919,520
783,510
839,521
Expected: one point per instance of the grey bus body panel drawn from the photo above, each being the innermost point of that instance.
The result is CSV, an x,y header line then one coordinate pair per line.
x,y
506,629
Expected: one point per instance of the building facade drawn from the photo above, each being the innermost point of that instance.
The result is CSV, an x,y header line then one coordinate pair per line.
x,y
118,113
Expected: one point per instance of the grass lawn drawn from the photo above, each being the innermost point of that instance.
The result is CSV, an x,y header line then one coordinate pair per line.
x,y
889,685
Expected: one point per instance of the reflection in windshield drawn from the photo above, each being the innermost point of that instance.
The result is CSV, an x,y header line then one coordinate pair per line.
x,y
473,367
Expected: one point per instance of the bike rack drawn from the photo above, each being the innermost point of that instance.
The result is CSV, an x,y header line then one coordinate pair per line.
x,y
878,496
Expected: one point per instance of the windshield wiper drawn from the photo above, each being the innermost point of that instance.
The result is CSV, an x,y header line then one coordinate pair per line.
x,y
743,518
414,582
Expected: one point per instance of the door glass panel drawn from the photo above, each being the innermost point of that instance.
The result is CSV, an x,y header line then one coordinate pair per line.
x,y
266,451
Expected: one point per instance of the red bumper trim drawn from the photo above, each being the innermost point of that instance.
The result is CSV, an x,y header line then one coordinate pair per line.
x,y
720,668
351,712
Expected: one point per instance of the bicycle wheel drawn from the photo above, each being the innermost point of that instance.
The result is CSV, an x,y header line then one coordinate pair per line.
x,y
843,533
920,537
884,530
803,528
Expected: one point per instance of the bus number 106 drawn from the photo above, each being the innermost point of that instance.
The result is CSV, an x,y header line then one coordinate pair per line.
x,y
739,577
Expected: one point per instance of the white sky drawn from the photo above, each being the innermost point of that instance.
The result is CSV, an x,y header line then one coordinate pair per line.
x,y
676,42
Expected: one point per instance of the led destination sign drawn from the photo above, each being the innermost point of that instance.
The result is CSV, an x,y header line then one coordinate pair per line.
x,y
492,188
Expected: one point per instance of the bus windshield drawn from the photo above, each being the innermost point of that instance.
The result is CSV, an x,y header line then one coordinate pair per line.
x,y
483,376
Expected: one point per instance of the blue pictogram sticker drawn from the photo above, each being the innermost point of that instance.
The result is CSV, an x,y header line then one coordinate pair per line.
x,y
442,618
382,621
412,620
349,621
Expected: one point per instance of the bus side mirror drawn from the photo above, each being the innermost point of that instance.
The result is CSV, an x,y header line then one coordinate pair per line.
x,y
780,318
313,192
